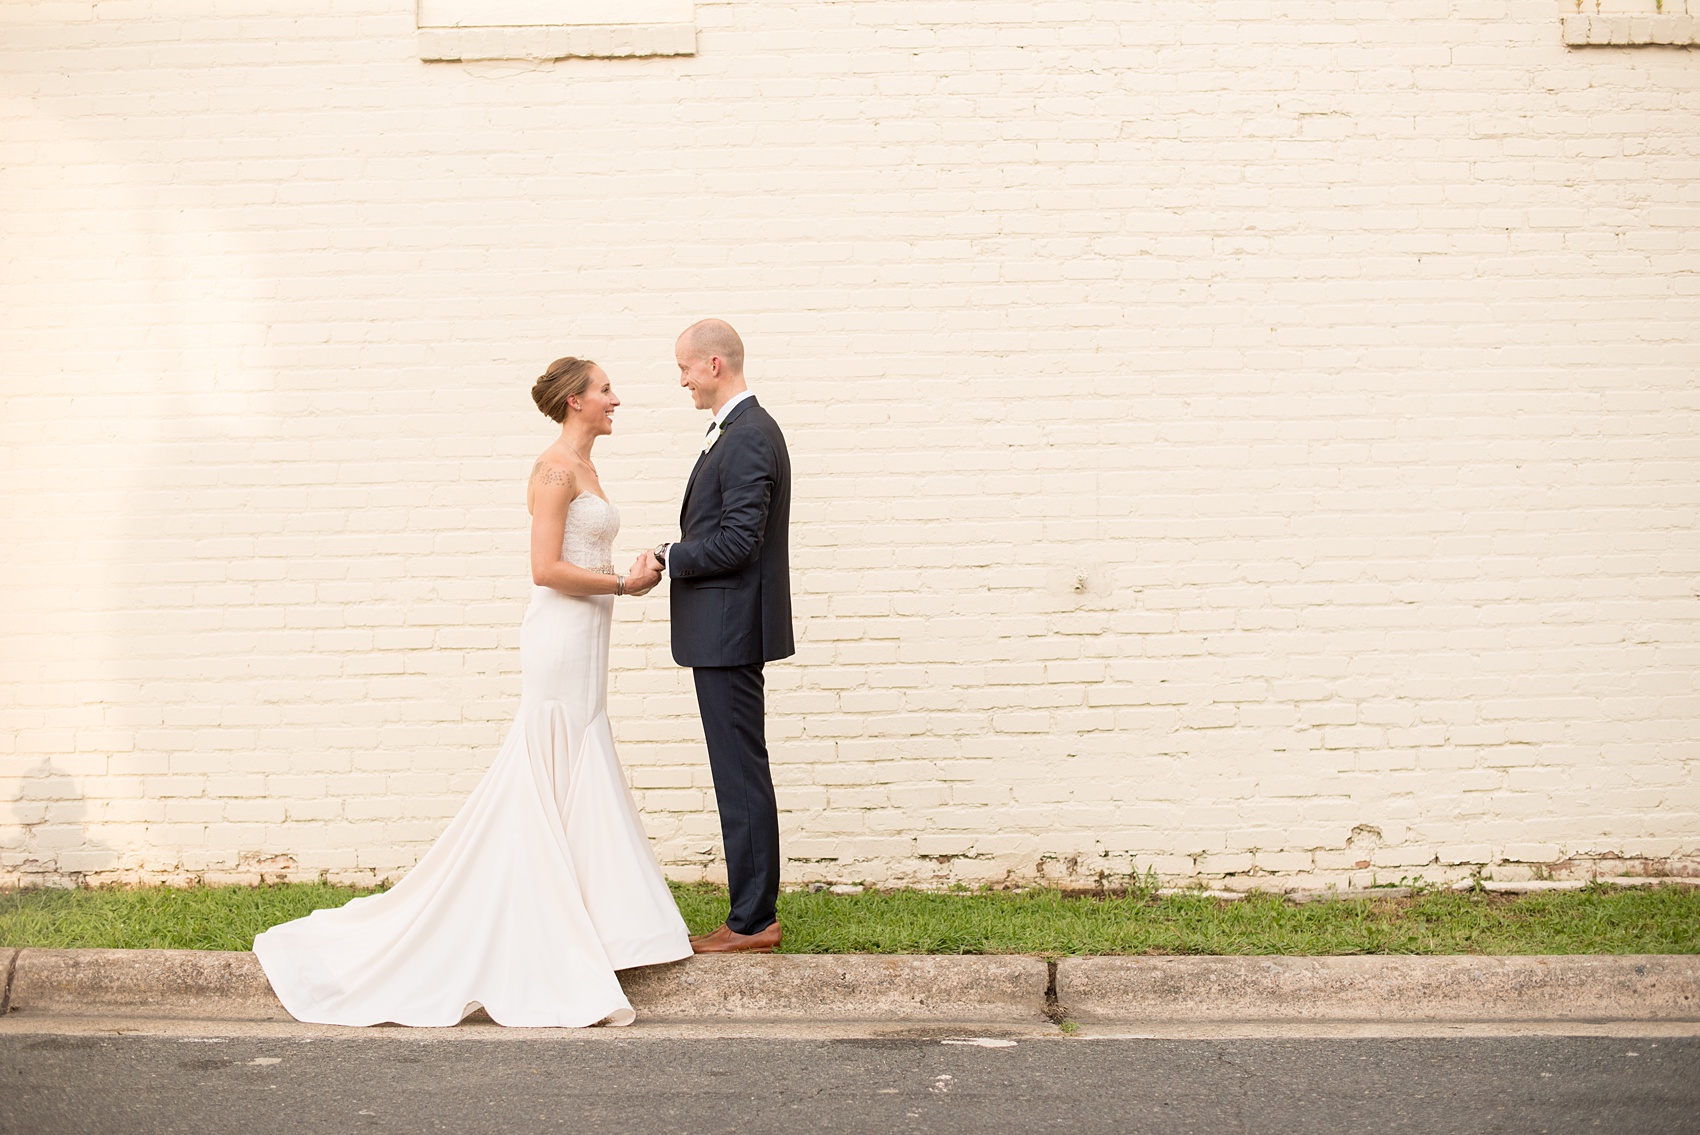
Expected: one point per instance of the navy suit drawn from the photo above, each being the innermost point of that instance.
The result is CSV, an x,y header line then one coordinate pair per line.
x,y
731,610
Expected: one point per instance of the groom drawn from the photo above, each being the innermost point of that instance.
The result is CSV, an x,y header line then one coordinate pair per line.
x,y
731,612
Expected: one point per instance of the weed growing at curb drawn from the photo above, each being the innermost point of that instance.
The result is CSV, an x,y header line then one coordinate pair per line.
x,y
1598,920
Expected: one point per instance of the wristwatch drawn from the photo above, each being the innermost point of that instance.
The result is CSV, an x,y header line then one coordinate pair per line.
x,y
660,555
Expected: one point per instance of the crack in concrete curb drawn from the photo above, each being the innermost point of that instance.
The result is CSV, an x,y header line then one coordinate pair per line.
x,y
11,972
1054,1009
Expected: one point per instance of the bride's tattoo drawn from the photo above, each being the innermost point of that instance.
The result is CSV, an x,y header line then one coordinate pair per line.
x,y
550,475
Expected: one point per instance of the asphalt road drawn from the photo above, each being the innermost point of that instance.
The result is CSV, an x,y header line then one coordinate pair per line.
x,y
141,1085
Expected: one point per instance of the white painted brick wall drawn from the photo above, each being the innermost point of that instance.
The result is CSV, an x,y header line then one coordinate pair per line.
x,y
1230,440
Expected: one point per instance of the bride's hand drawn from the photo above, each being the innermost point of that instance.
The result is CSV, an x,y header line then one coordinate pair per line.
x,y
644,575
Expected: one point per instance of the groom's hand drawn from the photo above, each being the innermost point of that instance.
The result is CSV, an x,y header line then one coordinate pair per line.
x,y
645,574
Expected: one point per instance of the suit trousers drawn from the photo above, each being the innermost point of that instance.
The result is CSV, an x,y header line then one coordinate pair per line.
x,y
732,702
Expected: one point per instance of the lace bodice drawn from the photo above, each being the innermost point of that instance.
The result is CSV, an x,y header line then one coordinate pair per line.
x,y
592,524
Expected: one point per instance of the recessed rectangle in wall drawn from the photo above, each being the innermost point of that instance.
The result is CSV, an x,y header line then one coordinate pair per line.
x,y
547,13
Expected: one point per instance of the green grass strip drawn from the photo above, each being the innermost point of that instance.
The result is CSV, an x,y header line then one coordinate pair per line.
x,y
1598,920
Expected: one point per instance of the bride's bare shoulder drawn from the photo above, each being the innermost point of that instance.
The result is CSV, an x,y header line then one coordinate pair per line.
x,y
554,466
550,472
551,476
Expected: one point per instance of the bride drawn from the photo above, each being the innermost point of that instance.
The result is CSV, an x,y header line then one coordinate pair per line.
x,y
544,884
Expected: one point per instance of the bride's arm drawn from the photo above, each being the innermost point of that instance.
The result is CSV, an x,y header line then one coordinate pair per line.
x,y
552,491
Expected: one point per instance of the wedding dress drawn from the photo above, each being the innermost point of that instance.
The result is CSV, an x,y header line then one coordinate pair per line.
x,y
543,885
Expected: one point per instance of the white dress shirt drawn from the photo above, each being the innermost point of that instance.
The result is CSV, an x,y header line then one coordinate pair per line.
x,y
733,401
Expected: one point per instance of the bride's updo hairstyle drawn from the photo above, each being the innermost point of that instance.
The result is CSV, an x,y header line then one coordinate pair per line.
x,y
566,378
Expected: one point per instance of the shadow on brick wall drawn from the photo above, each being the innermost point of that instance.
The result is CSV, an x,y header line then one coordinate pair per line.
x,y
49,842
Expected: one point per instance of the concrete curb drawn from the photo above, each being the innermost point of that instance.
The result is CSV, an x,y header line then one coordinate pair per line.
x,y
866,987
1581,987
220,985
216,985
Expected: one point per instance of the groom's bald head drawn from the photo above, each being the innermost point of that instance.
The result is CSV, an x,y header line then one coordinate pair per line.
x,y
711,363
713,339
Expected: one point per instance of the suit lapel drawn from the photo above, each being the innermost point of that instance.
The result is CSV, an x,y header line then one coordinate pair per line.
x,y
702,458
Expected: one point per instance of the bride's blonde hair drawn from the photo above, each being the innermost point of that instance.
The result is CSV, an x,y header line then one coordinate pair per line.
x,y
566,378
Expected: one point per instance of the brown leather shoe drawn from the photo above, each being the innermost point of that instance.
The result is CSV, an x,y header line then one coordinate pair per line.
x,y
725,940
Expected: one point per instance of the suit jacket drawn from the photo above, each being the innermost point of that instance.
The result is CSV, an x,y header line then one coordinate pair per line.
x,y
731,568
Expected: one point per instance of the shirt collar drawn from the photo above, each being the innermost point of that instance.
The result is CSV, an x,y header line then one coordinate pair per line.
x,y
720,418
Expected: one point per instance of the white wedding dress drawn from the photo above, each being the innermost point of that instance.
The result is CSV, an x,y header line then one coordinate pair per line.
x,y
543,885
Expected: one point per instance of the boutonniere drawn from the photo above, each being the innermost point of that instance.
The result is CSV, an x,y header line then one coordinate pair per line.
x,y
713,436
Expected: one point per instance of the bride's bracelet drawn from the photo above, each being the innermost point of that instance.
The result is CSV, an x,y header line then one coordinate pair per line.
x,y
619,585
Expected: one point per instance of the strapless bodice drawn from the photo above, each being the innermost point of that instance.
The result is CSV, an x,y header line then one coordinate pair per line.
x,y
592,524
